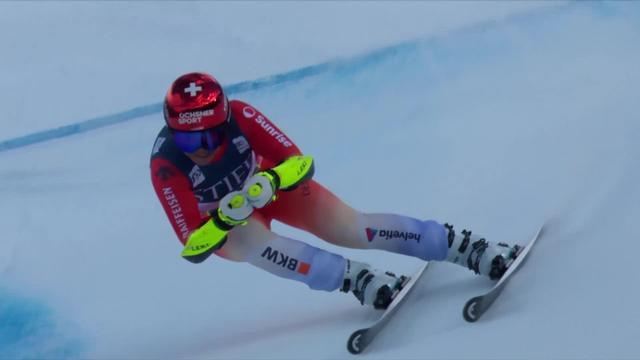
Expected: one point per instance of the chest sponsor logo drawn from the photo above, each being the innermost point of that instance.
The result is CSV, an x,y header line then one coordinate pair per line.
x,y
286,261
158,145
391,235
196,176
214,188
241,144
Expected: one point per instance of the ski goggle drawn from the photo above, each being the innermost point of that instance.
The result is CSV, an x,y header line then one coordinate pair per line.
x,y
190,141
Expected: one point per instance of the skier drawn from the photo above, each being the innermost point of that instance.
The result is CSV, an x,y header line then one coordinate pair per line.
x,y
223,172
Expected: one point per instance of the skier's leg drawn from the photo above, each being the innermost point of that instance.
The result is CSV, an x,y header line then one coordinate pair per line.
x,y
319,269
256,244
315,209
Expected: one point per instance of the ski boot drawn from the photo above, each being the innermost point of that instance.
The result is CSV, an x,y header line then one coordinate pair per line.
x,y
371,286
479,255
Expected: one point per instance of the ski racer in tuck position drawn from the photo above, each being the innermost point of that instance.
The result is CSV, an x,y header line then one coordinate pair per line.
x,y
223,172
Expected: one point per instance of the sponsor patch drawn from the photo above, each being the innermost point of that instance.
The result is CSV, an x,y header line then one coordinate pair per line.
x,y
286,261
193,117
391,235
371,233
241,144
196,176
271,130
176,211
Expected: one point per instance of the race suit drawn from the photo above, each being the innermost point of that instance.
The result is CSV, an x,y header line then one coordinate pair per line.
x,y
188,192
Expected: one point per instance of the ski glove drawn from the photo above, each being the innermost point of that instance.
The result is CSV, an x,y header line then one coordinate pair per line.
x,y
234,208
206,239
292,172
260,189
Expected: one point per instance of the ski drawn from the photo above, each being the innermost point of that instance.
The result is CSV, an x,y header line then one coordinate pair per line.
x,y
477,306
360,339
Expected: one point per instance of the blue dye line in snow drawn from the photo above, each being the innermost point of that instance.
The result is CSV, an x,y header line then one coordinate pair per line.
x,y
341,65
28,331
237,88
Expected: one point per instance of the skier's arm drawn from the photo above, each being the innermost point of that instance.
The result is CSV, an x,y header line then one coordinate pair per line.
x,y
174,192
266,139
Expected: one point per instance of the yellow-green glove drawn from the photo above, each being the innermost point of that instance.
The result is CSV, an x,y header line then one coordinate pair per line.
x,y
292,172
234,209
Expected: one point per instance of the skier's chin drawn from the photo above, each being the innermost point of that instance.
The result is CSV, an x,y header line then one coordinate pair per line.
x,y
202,156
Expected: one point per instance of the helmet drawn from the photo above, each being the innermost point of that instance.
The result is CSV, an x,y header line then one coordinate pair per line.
x,y
195,102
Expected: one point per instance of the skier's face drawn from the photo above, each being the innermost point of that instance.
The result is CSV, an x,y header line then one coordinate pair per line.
x,y
200,146
190,141
203,156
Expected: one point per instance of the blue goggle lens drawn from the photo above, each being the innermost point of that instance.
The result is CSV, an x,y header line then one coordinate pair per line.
x,y
191,141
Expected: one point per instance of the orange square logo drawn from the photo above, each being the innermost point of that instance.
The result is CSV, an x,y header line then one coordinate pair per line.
x,y
304,268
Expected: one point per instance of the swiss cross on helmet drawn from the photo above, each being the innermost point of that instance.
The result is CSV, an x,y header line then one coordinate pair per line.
x,y
195,102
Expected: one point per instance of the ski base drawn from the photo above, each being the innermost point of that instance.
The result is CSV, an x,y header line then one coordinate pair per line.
x,y
477,306
360,339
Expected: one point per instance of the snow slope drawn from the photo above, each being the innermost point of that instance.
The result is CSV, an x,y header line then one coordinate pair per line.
x,y
497,127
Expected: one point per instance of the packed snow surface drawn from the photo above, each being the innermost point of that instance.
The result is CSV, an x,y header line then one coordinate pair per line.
x,y
493,116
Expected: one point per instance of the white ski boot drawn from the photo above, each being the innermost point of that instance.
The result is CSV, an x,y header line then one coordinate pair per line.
x,y
371,286
479,255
